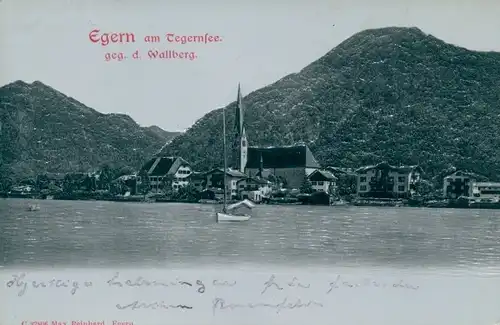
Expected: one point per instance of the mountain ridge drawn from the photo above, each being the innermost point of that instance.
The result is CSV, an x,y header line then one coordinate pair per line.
x,y
43,130
391,94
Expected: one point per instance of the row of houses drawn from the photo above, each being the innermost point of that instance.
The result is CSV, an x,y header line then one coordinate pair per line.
x,y
376,181
258,179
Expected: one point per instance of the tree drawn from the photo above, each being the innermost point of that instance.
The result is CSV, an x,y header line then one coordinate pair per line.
x,y
6,178
187,193
306,186
144,184
42,182
166,183
346,184
90,183
68,184
423,187
118,187
105,177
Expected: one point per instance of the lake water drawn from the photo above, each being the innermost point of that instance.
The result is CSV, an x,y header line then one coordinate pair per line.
x,y
452,255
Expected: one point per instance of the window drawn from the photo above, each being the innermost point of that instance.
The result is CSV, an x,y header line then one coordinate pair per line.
x,y
242,185
391,179
401,188
314,183
373,178
362,179
362,188
320,183
401,179
243,143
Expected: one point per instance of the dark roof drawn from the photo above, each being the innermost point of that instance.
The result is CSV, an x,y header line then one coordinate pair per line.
x,y
160,166
197,175
255,180
281,157
230,172
321,175
340,170
385,165
468,174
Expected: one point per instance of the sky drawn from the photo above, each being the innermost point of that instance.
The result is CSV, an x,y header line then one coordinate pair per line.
x,y
262,41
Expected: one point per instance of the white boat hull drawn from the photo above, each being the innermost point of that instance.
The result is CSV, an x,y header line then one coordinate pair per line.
x,y
223,217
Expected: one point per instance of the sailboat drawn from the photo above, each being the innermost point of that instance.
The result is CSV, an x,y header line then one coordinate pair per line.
x,y
234,212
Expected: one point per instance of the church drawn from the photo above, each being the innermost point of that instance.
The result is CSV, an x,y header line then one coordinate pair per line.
x,y
290,163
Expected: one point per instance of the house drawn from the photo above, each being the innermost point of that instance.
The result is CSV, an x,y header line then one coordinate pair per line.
x,y
215,180
460,183
322,181
164,170
486,191
291,163
247,188
387,181
198,180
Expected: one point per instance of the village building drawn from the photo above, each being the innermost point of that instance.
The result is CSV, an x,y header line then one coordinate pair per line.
x,y
460,183
387,181
167,170
322,181
215,180
289,163
198,180
254,188
486,191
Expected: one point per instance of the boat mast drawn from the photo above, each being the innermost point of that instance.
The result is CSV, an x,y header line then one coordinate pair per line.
x,y
225,154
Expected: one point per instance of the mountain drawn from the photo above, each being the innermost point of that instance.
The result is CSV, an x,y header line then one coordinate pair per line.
x,y
390,94
167,135
43,130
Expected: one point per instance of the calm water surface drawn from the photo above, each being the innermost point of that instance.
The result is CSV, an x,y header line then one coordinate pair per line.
x,y
109,234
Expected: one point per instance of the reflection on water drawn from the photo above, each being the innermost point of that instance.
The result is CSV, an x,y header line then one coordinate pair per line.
x,y
113,234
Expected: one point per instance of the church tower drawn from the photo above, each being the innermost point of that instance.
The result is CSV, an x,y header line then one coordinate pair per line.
x,y
240,142
243,151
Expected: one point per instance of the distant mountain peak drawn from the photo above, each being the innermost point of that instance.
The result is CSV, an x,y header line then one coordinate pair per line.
x,y
43,130
393,94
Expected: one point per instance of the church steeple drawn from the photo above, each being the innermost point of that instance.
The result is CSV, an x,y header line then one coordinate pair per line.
x,y
240,139
238,120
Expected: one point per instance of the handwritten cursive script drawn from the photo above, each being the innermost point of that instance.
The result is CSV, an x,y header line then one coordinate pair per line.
x,y
219,303
223,283
270,283
18,280
141,282
154,305
339,282
295,283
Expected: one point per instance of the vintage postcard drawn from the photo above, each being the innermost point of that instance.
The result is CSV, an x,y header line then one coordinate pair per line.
x,y
271,162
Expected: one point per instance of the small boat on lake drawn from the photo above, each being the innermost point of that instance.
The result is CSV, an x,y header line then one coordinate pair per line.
x,y
239,211
33,207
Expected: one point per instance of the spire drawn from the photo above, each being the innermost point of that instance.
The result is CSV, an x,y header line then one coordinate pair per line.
x,y
239,113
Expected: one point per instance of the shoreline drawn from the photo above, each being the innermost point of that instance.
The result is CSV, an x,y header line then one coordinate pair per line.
x,y
447,204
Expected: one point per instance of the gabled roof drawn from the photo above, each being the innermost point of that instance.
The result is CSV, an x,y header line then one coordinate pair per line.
x,y
467,174
281,157
160,166
385,165
321,175
229,172
340,170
